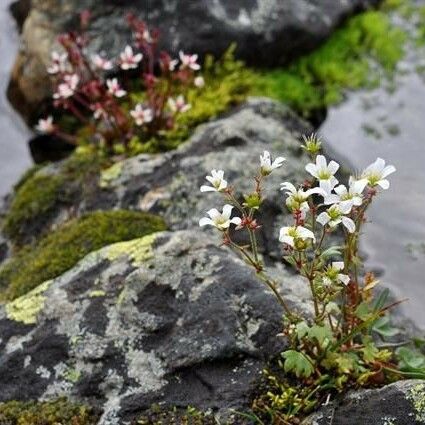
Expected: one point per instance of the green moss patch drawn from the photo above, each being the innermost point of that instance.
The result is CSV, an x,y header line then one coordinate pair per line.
x,y
55,412
63,248
39,192
345,61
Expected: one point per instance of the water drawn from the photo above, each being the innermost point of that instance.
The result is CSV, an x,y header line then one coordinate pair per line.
x,y
390,124
14,155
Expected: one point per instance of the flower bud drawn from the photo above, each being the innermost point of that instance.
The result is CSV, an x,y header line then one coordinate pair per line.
x,y
253,200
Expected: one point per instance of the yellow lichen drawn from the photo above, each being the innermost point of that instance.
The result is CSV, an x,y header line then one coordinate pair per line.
x,y
138,250
97,293
110,174
416,396
25,309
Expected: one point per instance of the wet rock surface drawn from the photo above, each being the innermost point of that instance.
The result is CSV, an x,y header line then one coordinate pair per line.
x,y
267,32
401,403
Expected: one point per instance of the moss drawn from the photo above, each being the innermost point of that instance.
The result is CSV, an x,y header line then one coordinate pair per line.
x,y
189,416
63,248
319,79
55,412
36,197
41,191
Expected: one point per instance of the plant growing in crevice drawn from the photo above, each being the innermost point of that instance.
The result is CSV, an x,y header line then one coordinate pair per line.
x,y
102,104
333,348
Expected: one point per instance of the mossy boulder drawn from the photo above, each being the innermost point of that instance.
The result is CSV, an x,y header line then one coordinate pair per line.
x,y
63,248
168,183
169,318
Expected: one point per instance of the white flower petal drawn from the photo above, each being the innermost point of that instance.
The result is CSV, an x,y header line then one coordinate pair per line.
x,y
323,218
349,224
204,221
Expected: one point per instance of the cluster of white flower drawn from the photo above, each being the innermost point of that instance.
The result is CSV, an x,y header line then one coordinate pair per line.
x,y
339,205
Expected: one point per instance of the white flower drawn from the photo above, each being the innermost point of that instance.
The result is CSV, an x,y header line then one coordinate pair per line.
x,y
114,88
377,172
267,166
291,234
189,61
333,275
324,172
220,220
178,104
45,125
199,81
351,196
101,63
68,87
129,60
217,181
297,198
141,115
59,63
335,215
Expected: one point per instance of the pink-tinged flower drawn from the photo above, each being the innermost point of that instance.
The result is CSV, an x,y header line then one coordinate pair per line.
x,y
220,220
141,115
129,60
101,63
218,184
59,63
147,36
178,104
68,87
99,112
172,64
189,61
114,88
199,82
45,125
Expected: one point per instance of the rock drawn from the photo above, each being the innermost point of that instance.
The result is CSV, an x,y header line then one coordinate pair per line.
x,y
267,32
401,403
168,184
46,148
168,318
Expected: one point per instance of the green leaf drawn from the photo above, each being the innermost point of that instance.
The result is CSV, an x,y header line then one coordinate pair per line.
x,y
384,328
333,251
381,300
362,311
410,360
298,363
302,329
369,350
321,333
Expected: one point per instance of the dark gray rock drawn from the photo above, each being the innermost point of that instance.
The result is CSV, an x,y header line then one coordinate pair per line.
x,y
267,32
401,403
168,318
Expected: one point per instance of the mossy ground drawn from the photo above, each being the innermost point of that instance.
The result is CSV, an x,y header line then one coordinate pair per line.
x,y
63,248
55,412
